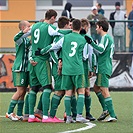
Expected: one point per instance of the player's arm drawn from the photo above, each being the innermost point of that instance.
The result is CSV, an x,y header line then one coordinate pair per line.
x,y
85,52
99,48
30,57
53,46
18,38
54,56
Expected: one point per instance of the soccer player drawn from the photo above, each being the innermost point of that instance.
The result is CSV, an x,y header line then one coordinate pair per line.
x,y
72,69
104,67
63,25
88,70
42,34
20,71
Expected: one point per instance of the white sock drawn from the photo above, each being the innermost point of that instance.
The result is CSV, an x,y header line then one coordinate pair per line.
x,y
45,117
31,116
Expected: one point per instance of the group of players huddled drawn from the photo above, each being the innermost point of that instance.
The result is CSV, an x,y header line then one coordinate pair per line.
x,y
74,56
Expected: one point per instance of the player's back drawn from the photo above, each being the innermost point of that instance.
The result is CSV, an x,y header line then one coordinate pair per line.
x,y
72,54
40,38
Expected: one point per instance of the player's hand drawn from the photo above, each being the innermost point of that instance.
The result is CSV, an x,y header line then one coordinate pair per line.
x,y
88,39
38,52
33,62
90,74
26,29
59,67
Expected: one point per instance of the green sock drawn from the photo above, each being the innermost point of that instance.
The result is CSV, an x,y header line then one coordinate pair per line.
x,y
80,103
67,103
26,106
12,106
46,101
102,101
87,105
74,106
108,102
20,107
39,106
32,102
54,104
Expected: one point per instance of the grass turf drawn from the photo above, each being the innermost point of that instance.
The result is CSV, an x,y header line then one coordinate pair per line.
x,y
123,104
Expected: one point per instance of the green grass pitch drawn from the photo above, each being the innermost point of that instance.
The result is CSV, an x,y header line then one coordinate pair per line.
x,y
123,104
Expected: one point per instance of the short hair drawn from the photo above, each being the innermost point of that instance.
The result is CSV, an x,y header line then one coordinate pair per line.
x,y
104,24
62,21
99,4
84,22
50,13
76,24
21,23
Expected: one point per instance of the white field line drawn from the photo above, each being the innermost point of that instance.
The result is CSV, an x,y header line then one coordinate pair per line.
x,y
89,126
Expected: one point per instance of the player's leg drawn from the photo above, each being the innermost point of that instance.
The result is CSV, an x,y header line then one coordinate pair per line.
x,y
79,81
107,97
20,82
57,96
74,104
45,79
26,108
88,105
35,86
109,104
32,101
20,106
38,112
87,96
13,103
101,98
67,85
25,77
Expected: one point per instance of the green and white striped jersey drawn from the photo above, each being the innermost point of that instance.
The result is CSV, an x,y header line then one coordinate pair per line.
x,y
22,46
106,51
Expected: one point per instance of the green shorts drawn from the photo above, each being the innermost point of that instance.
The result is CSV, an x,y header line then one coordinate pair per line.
x,y
102,80
40,74
20,78
69,82
57,82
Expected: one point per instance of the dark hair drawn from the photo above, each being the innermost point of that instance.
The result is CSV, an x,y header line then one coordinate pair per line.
x,y
50,13
72,19
99,4
117,4
62,21
76,24
104,24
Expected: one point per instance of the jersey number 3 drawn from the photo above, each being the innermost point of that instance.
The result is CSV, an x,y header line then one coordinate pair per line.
x,y
73,48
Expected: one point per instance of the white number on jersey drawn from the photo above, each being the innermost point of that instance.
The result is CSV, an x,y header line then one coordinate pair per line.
x,y
73,48
36,35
